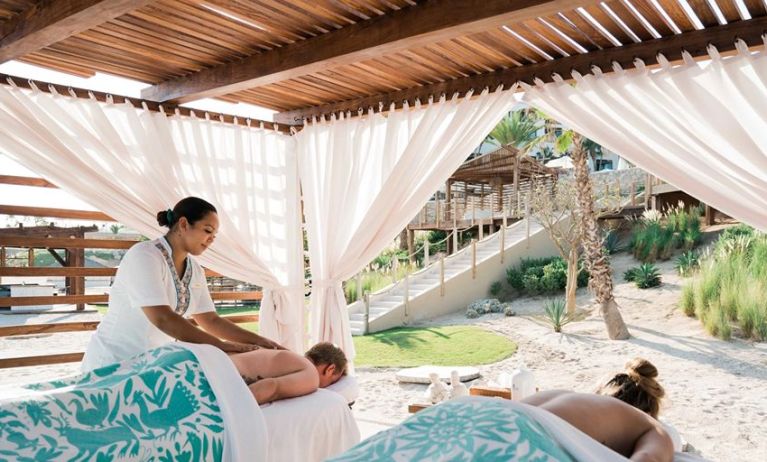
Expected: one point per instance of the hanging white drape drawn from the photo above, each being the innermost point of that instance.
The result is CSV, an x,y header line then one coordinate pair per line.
x,y
133,163
364,178
699,126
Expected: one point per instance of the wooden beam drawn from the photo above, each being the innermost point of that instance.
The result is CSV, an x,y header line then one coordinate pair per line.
x,y
26,181
6,363
694,42
53,300
104,298
414,26
54,213
139,103
47,22
56,271
32,329
84,326
23,242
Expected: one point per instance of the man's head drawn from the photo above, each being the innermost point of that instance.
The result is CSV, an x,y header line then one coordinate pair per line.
x,y
330,362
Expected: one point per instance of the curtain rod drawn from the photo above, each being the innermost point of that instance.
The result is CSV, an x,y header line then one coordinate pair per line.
x,y
138,103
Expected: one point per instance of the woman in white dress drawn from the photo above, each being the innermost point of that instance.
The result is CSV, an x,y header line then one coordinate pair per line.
x,y
159,286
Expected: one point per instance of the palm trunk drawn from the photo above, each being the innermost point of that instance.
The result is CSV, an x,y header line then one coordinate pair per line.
x,y
572,281
600,280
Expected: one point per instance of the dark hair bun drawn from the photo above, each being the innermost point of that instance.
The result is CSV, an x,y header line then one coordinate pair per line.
x,y
162,218
642,368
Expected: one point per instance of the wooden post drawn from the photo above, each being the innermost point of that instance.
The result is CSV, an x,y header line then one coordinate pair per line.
x,y
426,253
482,197
473,258
359,286
709,217
455,239
411,246
515,184
527,221
442,275
473,211
437,211
647,191
407,294
31,257
448,199
465,196
502,238
2,256
481,229
633,193
366,317
394,268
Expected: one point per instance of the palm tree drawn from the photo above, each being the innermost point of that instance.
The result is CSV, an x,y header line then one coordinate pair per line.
x,y
518,130
601,278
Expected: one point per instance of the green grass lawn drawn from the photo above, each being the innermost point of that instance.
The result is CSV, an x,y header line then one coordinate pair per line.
x,y
441,346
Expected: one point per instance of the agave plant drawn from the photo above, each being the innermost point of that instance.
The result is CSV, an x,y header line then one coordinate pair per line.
x,y
647,275
556,313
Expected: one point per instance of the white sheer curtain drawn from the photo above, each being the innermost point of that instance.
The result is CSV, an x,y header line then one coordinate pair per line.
x,y
700,126
364,178
133,163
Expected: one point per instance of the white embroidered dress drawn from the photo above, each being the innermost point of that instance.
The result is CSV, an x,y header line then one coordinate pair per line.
x,y
146,277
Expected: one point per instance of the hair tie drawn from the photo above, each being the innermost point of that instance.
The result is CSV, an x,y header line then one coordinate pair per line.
x,y
169,216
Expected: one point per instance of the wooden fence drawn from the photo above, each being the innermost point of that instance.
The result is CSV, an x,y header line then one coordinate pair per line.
x,y
74,270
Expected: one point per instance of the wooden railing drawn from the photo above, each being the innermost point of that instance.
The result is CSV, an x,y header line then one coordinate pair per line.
x,y
59,358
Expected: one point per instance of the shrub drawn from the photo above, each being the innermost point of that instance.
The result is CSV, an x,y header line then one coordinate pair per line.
x,y
611,243
687,263
514,278
484,306
532,284
472,314
656,236
496,288
630,274
687,301
730,286
508,311
556,313
646,276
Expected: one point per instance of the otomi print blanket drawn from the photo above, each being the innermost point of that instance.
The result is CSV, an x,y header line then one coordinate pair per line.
x,y
176,403
486,430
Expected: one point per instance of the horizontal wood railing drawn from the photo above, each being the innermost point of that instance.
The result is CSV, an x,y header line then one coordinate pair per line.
x,y
26,181
54,213
68,271
64,243
84,326
104,298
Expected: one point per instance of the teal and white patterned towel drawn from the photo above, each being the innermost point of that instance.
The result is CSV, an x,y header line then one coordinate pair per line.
x,y
157,406
467,429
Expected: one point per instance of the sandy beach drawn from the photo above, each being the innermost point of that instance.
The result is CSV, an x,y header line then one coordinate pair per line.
x,y
716,389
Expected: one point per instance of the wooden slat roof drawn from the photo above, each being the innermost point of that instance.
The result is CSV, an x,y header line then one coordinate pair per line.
x,y
500,164
291,55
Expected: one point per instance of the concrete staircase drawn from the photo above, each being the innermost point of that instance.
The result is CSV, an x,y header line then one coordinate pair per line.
x,y
426,282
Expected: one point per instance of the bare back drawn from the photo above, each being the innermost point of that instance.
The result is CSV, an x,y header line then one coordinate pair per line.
x,y
617,425
276,374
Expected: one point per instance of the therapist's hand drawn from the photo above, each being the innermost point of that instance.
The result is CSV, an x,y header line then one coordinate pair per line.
x,y
235,347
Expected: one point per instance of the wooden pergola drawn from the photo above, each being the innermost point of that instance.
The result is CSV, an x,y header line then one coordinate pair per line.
x,y
503,171
307,58
311,58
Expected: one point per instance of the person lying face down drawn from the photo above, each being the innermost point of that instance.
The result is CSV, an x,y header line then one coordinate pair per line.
x,y
628,424
330,362
280,374
636,386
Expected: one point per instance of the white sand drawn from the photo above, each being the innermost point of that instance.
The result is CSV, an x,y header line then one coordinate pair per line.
x,y
717,390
